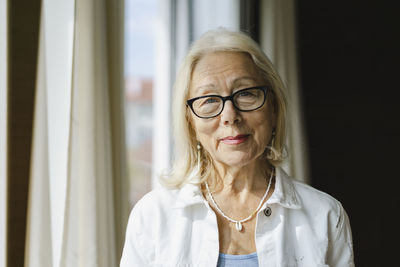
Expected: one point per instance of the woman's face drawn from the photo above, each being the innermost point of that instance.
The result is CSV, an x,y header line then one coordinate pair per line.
x,y
233,138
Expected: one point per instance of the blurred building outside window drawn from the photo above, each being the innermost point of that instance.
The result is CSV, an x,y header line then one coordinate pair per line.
x,y
140,18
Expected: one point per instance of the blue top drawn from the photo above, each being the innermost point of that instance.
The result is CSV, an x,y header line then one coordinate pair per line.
x,y
248,260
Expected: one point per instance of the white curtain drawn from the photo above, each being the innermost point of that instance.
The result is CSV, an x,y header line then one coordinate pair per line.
x,y
278,40
89,225
75,213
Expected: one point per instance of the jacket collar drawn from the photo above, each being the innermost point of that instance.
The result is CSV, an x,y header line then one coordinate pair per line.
x,y
284,194
188,195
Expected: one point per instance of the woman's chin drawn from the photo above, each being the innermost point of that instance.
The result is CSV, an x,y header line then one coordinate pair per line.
x,y
235,161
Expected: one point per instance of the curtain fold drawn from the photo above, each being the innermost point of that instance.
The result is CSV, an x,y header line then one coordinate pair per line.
x,y
94,186
89,226
278,39
115,55
39,250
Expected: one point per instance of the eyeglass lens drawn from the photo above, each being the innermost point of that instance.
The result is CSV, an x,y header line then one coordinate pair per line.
x,y
244,100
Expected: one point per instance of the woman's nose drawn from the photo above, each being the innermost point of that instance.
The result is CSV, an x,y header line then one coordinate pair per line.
x,y
230,115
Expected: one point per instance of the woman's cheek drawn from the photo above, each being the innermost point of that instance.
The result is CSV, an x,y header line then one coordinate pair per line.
x,y
207,134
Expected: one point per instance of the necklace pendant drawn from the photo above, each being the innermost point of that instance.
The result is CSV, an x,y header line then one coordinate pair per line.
x,y
239,226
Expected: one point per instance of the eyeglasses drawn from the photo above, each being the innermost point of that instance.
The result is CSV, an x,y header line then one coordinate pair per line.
x,y
210,106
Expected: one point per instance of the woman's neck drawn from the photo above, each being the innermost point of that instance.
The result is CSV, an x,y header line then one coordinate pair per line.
x,y
238,179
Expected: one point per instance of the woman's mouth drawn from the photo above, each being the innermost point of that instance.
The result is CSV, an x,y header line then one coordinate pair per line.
x,y
235,140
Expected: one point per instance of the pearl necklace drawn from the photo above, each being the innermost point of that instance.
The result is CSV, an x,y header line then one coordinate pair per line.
x,y
238,223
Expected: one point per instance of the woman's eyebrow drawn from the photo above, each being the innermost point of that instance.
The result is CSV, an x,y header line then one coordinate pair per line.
x,y
243,80
204,88
239,81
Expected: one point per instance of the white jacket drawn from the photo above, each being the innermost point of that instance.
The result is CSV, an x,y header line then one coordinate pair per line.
x,y
178,228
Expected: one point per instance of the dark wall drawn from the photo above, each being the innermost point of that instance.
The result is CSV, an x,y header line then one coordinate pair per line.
x,y
350,81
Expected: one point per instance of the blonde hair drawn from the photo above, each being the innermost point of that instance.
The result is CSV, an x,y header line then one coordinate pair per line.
x,y
185,168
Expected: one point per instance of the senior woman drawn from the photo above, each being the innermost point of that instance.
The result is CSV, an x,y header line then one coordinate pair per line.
x,y
227,202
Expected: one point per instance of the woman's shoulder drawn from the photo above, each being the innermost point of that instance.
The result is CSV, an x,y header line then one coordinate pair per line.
x,y
320,208
310,193
314,199
164,200
157,197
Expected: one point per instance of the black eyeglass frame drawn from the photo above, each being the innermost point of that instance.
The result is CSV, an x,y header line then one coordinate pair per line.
x,y
263,88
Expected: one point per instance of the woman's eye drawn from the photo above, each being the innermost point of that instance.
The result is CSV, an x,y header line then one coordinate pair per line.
x,y
210,100
246,93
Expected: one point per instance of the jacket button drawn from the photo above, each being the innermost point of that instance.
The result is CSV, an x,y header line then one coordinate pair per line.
x,y
268,212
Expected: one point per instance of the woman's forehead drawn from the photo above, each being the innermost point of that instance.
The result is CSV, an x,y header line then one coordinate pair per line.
x,y
231,68
219,62
239,81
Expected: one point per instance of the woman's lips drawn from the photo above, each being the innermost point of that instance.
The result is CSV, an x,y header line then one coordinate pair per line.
x,y
235,140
